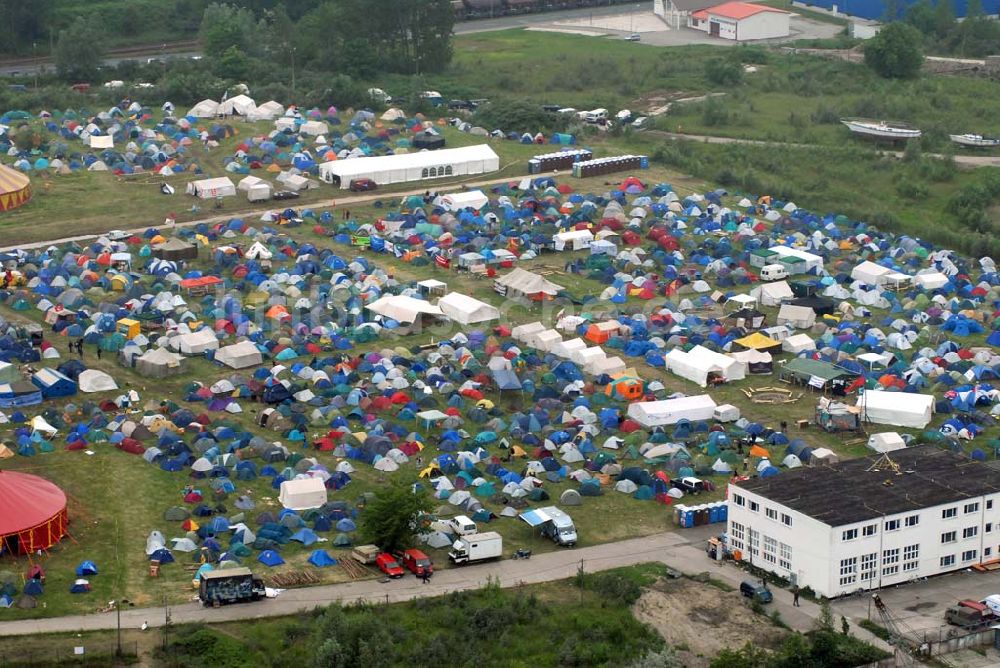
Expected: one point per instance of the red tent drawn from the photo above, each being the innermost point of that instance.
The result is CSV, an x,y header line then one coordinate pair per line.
x,y
32,513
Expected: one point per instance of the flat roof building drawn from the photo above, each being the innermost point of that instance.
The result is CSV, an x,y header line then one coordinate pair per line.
x,y
869,522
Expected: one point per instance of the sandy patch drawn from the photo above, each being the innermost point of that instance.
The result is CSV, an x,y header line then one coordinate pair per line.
x,y
568,31
633,22
703,619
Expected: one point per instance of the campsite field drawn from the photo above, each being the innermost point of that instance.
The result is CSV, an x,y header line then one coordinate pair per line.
x,y
117,499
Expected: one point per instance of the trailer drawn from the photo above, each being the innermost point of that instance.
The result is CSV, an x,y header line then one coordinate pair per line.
x,y
476,547
230,585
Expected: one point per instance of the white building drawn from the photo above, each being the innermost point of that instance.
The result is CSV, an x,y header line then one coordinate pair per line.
x,y
869,522
405,167
677,13
741,21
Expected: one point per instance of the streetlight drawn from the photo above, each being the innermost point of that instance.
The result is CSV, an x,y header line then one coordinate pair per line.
x,y
118,613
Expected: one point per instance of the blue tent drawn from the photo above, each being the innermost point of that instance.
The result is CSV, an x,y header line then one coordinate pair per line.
x,y
86,568
270,558
321,559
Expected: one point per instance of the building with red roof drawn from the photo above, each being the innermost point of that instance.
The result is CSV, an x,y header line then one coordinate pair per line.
x,y
741,21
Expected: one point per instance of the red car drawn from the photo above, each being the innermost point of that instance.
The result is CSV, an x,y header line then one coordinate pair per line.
x,y
417,562
388,565
362,185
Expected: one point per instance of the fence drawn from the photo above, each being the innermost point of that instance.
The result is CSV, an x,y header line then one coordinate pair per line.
x,y
948,639
68,652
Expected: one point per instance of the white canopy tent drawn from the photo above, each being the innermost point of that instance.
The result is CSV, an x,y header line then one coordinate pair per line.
x,y
302,493
220,186
405,167
572,240
403,309
467,310
240,105
204,109
239,355
671,411
699,363
195,343
902,409
470,199
772,294
801,317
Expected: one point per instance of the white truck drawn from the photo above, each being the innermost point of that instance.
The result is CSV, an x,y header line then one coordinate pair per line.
x,y
554,524
460,525
476,547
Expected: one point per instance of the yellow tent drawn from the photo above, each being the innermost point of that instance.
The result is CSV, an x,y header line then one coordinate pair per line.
x,y
758,341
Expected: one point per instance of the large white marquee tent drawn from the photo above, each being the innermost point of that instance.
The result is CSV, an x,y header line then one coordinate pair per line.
x,y
405,167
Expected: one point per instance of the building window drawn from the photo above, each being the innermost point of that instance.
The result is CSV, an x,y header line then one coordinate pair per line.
x,y
969,555
970,532
989,527
770,550
848,570
754,507
892,525
448,170
911,554
890,570
786,519
869,566
771,513
739,500
948,561
989,504
949,513
948,537
913,520
737,535
890,556
849,534
987,551
869,530
424,173
754,542
785,554
971,508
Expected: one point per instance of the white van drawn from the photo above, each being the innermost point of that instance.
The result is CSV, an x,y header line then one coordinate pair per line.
x,y
773,272
596,115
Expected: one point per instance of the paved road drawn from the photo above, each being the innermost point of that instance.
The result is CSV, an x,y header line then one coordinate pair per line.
x,y
970,161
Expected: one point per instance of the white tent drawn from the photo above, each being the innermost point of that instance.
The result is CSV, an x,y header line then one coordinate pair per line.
x,y
811,260
101,141
221,186
241,105
523,282
772,294
546,340
671,411
93,380
302,493
699,363
195,343
314,128
801,317
606,366
572,239
405,167
875,274
901,409
798,343
886,442
159,362
258,251
467,310
266,112
470,199
524,332
239,355
204,109
930,280
403,309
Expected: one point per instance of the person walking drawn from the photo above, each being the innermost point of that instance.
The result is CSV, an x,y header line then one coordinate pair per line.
x,y
795,596
98,352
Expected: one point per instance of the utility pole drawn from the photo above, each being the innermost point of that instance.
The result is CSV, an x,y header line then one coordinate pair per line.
x,y
34,44
118,614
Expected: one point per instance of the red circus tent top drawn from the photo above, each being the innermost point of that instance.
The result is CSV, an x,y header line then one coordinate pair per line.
x,y
32,511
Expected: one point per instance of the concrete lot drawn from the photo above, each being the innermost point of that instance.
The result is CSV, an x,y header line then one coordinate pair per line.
x,y
653,31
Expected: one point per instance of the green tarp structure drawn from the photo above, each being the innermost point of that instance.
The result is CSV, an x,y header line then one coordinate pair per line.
x,y
805,369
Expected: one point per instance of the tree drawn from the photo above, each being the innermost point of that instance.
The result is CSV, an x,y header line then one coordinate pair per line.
x,y
225,26
518,116
661,658
748,656
391,520
79,51
24,23
895,52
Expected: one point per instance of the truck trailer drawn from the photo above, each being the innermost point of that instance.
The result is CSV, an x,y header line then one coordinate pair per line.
x,y
476,547
230,585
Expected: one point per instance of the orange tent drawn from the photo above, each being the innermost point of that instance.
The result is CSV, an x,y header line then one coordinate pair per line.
x,y
757,451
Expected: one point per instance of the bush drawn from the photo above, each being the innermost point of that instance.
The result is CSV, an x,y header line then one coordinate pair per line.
x,y
724,72
613,588
895,53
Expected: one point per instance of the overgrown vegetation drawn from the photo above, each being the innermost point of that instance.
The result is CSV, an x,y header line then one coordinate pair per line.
x,y
486,627
973,37
895,53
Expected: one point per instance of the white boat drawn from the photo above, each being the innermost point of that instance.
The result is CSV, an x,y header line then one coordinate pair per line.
x,y
976,141
883,130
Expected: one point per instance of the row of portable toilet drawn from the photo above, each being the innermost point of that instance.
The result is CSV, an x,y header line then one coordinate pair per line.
x,y
707,513
619,163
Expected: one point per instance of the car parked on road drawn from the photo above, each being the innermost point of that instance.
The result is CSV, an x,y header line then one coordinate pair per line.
x,y
756,591
285,194
388,565
417,562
